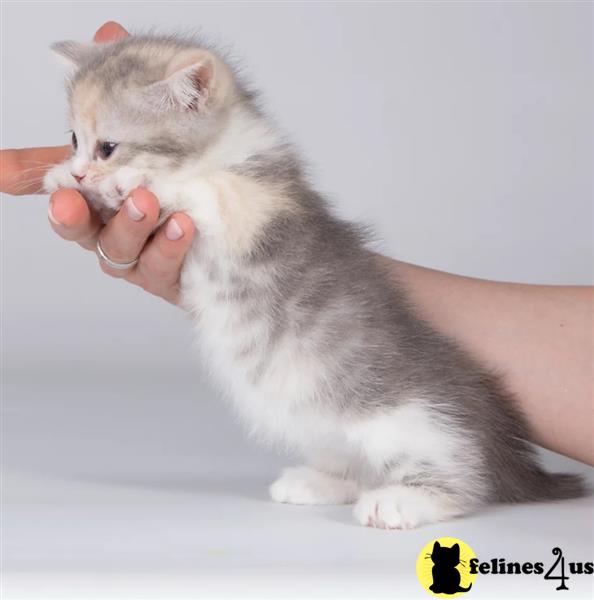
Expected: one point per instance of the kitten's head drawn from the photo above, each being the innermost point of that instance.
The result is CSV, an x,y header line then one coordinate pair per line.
x,y
140,107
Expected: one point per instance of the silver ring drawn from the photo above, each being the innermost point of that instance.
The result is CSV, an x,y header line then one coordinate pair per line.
x,y
114,265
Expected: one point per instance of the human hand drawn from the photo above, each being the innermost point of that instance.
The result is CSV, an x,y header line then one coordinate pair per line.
x,y
126,235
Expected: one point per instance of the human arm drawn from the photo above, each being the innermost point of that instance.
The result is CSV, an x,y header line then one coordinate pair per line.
x,y
539,337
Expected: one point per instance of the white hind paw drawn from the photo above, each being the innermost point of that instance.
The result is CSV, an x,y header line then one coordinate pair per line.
x,y
401,507
304,485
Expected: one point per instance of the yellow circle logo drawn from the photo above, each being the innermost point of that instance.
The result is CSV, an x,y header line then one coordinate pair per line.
x,y
443,567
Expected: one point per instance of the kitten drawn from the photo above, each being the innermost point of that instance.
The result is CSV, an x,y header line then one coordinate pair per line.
x,y
317,347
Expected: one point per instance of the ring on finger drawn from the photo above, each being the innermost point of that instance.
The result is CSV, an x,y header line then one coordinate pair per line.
x,y
120,266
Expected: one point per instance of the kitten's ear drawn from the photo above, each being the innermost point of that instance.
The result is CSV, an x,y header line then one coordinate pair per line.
x,y
74,54
436,546
193,81
456,549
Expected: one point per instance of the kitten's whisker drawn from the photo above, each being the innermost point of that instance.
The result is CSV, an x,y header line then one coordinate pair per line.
x,y
28,169
20,181
28,161
28,182
23,185
34,177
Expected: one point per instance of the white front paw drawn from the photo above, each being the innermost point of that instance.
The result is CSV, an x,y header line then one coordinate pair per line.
x,y
59,177
115,188
304,485
128,179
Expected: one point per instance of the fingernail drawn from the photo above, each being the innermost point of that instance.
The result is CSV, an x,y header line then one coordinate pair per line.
x,y
173,231
50,214
133,211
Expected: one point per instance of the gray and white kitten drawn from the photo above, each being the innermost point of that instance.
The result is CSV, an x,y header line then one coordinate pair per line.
x,y
294,315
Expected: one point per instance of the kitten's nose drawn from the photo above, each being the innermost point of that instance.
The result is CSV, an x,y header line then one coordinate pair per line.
x,y
78,178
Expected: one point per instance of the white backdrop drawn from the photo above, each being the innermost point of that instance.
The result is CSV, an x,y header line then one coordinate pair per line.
x,y
461,131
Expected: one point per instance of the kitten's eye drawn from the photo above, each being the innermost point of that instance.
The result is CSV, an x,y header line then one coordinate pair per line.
x,y
105,149
74,141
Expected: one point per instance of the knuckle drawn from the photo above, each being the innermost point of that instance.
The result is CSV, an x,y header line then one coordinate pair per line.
x,y
147,285
87,244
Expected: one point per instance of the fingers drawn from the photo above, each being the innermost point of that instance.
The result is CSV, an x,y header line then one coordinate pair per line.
x,y
22,171
71,218
160,263
110,32
125,235
124,238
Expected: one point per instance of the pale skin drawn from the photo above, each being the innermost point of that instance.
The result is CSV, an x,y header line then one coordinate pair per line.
x,y
540,338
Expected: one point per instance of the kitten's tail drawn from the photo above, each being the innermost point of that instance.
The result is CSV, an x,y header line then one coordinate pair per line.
x,y
461,589
559,486
537,485
524,480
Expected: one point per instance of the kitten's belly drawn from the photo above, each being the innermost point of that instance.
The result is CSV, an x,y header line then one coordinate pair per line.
x,y
272,387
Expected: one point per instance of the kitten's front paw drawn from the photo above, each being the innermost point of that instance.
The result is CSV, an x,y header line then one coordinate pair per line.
x,y
115,188
59,177
401,507
304,485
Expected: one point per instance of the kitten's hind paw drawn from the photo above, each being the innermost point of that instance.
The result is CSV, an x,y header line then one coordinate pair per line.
x,y
304,485
402,507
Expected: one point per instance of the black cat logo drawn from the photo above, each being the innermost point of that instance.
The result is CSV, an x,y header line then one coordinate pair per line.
x,y
446,577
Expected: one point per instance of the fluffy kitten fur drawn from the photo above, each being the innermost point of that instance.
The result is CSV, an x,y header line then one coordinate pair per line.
x,y
294,315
